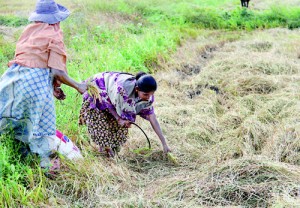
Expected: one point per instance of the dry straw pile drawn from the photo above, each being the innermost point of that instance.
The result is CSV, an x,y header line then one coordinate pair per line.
x,y
240,112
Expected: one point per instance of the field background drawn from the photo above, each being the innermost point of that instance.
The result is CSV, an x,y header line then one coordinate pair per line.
x,y
228,103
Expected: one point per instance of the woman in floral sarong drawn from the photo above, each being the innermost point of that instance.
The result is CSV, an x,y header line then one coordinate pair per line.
x,y
122,97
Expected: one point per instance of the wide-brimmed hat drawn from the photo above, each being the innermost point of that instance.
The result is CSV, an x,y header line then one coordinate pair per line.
x,y
48,11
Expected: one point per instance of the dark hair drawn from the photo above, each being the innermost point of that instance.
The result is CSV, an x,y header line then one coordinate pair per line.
x,y
145,82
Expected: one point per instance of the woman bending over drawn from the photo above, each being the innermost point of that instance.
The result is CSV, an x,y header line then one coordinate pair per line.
x,y
122,96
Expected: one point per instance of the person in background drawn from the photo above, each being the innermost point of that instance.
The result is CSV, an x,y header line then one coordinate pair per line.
x,y
122,96
33,77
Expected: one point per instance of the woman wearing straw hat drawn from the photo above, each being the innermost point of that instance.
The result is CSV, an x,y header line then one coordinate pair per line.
x,y
33,77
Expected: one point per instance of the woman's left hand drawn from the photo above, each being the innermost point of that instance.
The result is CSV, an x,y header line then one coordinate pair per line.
x,y
124,123
57,91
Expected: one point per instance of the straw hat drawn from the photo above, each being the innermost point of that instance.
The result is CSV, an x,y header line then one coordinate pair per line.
x,y
49,12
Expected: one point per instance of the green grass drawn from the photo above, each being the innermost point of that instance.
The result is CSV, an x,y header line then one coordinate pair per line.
x,y
100,49
13,21
6,53
21,180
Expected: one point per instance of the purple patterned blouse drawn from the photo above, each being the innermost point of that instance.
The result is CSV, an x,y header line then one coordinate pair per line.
x,y
117,91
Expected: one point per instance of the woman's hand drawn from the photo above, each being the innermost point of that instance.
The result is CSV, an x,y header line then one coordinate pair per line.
x,y
57,91
124,123
166,149
82,88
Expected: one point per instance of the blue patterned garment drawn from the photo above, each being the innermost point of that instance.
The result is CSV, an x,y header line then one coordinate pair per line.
x,y
27,106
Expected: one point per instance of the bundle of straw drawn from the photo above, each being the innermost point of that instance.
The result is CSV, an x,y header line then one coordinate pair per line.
x,y
172,158
93,91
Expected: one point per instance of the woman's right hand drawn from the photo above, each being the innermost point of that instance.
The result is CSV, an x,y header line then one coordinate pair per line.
x,y
124,123
82,88
166,148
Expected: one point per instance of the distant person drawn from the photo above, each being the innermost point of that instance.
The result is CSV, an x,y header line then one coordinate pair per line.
x,y
122,96
245,3
33,77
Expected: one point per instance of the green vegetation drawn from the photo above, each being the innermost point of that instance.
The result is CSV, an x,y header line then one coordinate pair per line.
x,y
13,21
228,96
245,19
6,52
21,180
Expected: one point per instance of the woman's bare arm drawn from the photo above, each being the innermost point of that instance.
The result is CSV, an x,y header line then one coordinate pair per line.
x,y
62,77
156,127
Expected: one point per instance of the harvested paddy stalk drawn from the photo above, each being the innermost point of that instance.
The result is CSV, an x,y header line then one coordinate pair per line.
x,y
243,182
250,183
255,84
93,91
148,151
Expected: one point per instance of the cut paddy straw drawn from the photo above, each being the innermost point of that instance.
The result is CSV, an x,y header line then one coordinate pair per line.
x,y
147,151
172,158
93,92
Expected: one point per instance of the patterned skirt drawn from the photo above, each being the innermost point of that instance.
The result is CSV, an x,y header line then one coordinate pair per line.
x,y
103,128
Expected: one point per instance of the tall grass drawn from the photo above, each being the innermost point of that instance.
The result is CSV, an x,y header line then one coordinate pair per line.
x,y
21,182
147,31
13,21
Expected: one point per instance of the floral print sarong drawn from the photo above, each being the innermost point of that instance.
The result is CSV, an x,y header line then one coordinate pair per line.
x,y
103,128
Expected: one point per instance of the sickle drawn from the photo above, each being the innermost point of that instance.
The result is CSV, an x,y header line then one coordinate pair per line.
x,y
149,144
